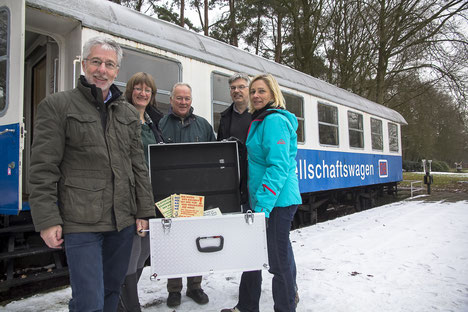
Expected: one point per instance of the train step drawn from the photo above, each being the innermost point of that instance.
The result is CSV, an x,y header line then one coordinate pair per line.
x,y
33,278
26,252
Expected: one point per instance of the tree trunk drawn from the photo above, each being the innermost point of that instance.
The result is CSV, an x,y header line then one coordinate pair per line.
x,y
232,17
206,18
182,13
279,39
259,31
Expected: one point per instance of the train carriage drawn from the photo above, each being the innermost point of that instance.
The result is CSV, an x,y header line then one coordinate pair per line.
x,y
349,147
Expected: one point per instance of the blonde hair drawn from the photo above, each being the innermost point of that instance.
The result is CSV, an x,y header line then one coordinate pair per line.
x,y
270,81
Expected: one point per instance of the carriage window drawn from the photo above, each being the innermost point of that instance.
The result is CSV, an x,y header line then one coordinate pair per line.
x,y
165,72
376,131
4,23
393,137
295,104
328,124
356,130
220,95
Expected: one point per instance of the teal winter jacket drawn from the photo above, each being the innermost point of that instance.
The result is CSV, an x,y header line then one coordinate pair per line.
x,y
272,148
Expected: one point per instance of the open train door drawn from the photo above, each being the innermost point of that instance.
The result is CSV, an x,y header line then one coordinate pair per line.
x,y
12,30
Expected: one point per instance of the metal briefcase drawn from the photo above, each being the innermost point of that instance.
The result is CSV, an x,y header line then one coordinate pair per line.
x,y
211,244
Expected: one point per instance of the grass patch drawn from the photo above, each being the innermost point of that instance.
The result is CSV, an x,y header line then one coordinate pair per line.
x,y
441,181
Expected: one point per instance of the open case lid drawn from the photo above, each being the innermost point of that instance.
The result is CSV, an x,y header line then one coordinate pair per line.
x,y
210,169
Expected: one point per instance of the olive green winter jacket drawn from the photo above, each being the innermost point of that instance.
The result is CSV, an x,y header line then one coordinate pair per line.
x,y
83,177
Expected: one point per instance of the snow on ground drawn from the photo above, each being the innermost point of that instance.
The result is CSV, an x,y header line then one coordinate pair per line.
x,y
405,256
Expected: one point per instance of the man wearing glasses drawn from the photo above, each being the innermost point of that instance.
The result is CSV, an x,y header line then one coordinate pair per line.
x,y
90,188
235,122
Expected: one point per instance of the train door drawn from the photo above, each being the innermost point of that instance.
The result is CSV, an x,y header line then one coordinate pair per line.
x,y
12,29
42,77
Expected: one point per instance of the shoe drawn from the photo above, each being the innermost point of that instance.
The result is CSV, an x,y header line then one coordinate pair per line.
x,y
173,300
296,299
231,310
198,295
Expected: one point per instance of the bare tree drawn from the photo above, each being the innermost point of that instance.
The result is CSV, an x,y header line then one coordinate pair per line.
x,y
405,34
347,48
203,13
308,20
436,128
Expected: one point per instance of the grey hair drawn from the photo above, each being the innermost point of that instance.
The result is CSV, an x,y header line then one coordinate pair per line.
x,y
180,84
106,44
239,76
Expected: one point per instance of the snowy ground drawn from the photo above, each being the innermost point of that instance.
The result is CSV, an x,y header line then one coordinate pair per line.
x,y
406,256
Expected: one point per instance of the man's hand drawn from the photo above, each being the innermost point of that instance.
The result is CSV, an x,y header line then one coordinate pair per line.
x,y
52,236
141,225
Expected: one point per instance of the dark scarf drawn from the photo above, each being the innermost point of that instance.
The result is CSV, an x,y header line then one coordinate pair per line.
x,y
262,113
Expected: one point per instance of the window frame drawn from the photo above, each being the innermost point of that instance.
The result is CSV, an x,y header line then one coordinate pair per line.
x,y
360,131
327,124
6,59
218,102
375,133
392,139
299,118
133,51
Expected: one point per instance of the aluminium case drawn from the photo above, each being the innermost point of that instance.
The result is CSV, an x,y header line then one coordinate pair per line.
x,y
212,244
210,169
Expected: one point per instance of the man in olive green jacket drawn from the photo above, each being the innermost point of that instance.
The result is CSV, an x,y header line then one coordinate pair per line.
x,y
89,183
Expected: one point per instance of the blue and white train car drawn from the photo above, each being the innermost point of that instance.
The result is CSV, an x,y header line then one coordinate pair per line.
x,y
348,145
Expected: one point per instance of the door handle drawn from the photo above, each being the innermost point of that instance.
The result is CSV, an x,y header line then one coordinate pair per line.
x,y
7,130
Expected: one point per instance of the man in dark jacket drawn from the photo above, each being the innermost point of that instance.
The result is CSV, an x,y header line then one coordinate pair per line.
x,y
235,122
182,126
90,187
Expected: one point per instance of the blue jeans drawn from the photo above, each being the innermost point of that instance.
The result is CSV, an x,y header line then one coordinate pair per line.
x,y
97,263
282,266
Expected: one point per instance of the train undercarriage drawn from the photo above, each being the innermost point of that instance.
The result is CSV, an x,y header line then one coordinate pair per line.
x,y
28,266
327,205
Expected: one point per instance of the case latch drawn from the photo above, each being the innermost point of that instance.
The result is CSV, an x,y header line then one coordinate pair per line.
x,y
249,217
166,224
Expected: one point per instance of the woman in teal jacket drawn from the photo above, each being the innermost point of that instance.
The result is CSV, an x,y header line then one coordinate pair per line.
x,y
273,189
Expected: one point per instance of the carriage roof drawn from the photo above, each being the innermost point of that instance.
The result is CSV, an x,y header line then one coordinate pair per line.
x,y
118,20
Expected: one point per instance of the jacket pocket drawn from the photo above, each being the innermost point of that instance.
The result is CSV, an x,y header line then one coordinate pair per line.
x,y
124,128
84,130
83,200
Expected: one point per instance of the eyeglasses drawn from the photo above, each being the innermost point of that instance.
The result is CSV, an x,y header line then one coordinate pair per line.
x,y
97,63
241,87
147,91
181,98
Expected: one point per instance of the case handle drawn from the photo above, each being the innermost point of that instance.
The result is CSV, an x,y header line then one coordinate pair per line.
x,y
210,248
